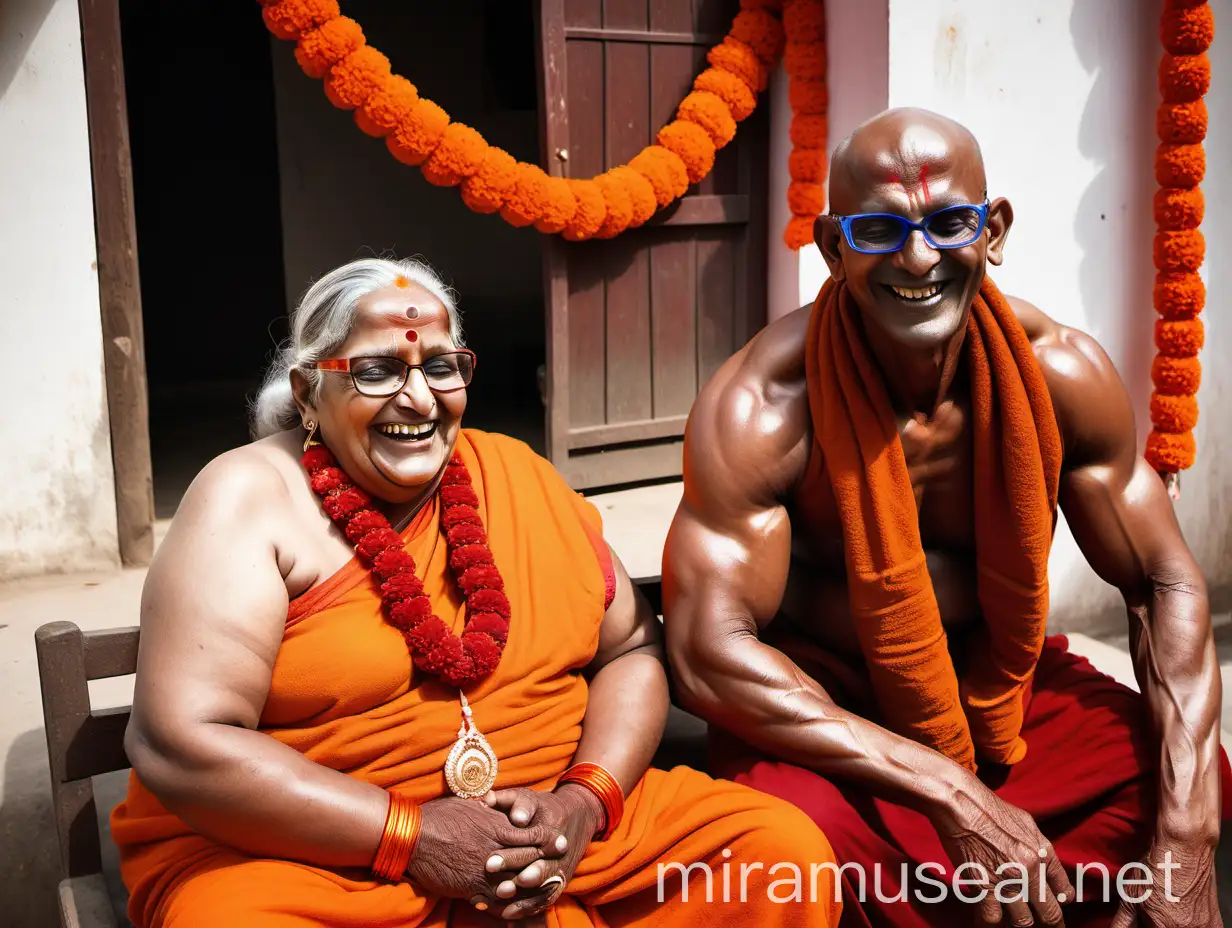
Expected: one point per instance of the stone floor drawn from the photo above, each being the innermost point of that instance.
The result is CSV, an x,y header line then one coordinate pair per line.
x,y
635,522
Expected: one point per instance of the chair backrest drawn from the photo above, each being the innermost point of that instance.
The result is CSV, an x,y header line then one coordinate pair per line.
x,y
81,742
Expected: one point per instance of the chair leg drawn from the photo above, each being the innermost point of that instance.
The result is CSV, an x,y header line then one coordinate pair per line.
x,y
84,903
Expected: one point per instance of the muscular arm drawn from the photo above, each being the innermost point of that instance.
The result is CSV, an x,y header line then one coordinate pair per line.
x,y
1124,524
725,571
212,618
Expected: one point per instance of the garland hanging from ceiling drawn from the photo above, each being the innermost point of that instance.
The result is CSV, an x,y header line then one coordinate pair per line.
x,y
1186,29
420,133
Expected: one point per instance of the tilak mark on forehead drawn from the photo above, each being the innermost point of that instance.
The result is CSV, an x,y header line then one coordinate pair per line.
x,y
920,183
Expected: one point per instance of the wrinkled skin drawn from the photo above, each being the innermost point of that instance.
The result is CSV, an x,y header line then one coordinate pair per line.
x,y
459,835
516,877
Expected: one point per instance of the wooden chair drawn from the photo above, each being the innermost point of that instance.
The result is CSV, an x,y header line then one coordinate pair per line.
x,y
84,743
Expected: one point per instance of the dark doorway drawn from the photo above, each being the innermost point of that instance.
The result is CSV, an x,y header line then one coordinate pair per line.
x,y
344,196
209,239
249,184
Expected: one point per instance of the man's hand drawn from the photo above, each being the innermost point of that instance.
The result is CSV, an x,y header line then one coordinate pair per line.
x,y
456,839
1181,894
1006,848
520,874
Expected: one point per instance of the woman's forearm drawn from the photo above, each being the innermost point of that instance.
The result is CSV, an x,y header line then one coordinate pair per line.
x,y
625,715
244,789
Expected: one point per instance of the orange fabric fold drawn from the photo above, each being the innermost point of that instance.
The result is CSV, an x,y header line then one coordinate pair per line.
x,y
345,694
1017,465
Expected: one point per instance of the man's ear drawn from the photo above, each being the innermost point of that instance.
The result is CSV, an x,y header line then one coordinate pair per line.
x,y
827,234
1000,218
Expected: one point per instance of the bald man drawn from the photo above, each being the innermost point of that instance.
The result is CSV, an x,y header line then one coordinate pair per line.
x,y
856,580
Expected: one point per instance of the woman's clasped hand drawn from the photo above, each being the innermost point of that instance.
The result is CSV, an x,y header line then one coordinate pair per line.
x,y
511,853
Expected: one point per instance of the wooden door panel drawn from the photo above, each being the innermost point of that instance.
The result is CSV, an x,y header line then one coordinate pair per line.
x,y
584,13
671,16
585,104
712,16
625,14
637,324
673,298
587,350
628,330
626,128
716,288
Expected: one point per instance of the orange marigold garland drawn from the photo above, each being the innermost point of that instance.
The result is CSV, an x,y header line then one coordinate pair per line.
x,y
1186,29
805,63
419,133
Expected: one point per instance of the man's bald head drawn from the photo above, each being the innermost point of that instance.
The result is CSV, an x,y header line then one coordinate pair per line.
x,y
928,170
914,152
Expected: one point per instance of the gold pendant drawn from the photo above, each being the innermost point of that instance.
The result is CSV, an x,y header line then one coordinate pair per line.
x,y
470,769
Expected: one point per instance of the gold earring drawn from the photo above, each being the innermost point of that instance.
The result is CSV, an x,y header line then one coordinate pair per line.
x,y
311,440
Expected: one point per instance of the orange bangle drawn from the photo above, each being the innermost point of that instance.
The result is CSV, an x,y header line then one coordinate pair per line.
x,y
600,782
398,842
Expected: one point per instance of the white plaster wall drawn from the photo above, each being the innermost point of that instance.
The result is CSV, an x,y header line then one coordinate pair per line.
x,y
1062,96
57,498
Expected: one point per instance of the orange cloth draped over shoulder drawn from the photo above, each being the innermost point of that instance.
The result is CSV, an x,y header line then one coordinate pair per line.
x,y
1017,461
344,694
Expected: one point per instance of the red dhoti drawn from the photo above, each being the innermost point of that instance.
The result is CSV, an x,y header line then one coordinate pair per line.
x,y
1088,779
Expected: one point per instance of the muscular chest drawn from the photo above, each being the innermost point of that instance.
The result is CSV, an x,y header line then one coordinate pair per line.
x,y
938,453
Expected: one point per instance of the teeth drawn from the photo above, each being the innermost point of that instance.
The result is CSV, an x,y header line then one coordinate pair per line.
x,y
909,293
401,428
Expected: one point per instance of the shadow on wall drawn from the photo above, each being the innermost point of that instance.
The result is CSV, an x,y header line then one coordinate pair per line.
x,y
1113,225
20,21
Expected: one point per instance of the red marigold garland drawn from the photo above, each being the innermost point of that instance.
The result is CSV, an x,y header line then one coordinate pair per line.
x,y
434,648
419,133
1186,30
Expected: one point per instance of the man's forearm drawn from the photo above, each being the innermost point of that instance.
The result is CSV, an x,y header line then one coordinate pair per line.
x,y
756,692
1176,664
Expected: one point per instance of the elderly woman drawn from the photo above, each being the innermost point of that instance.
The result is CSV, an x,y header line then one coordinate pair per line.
x,y
391,675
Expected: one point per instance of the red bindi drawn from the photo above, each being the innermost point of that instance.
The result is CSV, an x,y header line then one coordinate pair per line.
x,y
412,336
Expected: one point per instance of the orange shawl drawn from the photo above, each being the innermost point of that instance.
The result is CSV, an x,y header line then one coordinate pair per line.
x,y
1017,468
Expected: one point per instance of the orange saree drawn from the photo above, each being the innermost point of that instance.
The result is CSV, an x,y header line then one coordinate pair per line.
x,y
344,694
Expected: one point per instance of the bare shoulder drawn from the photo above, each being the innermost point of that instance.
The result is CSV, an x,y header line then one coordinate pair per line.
x,y
242,494
1090,401
751,418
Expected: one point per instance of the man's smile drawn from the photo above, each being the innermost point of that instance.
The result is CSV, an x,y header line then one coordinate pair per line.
x,y
925,295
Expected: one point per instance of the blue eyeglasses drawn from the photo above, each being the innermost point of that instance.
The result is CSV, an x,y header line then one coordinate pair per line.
x,y
881,233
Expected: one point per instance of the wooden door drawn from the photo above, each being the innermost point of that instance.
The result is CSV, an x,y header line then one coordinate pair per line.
x,y
637,324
